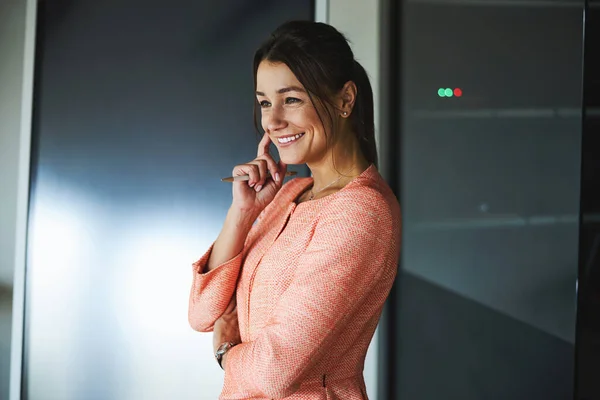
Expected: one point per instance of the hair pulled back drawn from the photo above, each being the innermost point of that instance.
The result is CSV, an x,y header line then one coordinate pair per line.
x,y
322,60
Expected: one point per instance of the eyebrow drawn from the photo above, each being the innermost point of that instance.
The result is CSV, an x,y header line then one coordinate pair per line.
x,y
285,90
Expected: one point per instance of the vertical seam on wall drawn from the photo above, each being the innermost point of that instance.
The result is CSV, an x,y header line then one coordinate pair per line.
x,y
321,11
18,308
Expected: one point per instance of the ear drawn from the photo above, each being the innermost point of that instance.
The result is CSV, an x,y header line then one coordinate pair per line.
x,y
347,97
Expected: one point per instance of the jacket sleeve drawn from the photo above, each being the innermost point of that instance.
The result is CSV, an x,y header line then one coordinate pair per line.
x,y
211,291
354,246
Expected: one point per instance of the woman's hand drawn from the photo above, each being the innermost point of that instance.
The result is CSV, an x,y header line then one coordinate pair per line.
x,y
253,196
226,328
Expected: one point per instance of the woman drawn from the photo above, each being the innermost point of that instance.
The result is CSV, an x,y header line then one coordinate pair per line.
x,y
294,285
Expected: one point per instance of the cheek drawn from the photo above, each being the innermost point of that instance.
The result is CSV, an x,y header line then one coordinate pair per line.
x,y
310,119
317,126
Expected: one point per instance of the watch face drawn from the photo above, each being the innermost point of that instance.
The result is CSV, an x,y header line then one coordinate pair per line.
x,y
223,348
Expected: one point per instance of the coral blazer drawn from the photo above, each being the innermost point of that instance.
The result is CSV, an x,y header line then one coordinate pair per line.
x,y
310,286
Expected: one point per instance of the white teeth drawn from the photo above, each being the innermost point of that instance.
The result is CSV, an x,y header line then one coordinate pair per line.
x,y
290,138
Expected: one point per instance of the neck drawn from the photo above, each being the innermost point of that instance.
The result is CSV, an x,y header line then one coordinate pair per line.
x,y
344,158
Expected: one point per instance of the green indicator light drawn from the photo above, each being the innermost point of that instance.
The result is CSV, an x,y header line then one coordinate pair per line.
x,y
441,92
449,92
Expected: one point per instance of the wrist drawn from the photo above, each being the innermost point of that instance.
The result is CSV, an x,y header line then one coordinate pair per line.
x,y
241,219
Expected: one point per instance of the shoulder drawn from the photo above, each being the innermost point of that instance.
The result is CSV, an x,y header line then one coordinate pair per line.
x,y
363,219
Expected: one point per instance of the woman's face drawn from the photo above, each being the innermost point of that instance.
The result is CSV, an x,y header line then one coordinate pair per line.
x,y
288,116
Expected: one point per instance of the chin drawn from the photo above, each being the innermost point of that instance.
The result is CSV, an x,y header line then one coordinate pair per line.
x,y
291,157
293,160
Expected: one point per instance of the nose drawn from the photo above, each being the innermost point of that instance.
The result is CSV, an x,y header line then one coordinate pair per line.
x,y
274,120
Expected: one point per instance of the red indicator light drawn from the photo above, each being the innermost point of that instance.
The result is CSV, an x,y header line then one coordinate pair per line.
x,y
458,92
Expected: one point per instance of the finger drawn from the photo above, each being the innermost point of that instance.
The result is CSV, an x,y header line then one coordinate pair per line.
x,y
248,169
263,146
262,168
272,167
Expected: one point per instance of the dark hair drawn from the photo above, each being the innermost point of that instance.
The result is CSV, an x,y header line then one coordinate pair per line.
x,y
322,60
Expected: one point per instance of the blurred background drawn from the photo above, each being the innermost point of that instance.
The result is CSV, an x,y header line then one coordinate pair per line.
x,y
118,118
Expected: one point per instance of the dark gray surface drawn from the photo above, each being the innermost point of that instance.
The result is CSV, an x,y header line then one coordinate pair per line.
x,y
588,310
454,348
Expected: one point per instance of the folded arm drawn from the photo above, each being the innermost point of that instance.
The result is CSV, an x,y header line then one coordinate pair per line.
x,y
216,273
211,291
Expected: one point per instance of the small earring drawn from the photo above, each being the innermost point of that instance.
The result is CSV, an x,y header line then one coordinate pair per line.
x,y
345,113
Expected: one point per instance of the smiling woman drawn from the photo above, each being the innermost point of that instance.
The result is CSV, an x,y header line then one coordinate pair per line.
x,y
288,114
295,283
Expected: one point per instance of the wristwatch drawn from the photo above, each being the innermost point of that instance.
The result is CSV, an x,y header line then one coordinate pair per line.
x,y
223,348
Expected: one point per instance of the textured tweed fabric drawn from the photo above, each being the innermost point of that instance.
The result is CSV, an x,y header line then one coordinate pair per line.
x,y
310,283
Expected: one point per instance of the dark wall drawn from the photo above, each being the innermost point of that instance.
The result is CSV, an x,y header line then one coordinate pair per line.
x,y
588,312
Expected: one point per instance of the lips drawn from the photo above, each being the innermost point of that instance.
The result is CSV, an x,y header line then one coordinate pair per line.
x,y
289,139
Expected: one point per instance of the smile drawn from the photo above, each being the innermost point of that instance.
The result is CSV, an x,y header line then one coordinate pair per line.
x,y
289,139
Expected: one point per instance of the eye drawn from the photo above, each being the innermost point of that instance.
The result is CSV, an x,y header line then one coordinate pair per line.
x,y
292,100
264,104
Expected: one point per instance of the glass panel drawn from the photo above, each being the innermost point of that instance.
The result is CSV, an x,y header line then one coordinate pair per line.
x,y
491,123
141,107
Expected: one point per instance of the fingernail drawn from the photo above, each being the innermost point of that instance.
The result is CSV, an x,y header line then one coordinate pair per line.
x,y
277,176
258,188
252,184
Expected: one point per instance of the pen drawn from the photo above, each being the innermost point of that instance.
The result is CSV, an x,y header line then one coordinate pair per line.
x,y
247,177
